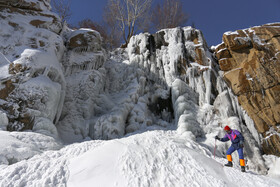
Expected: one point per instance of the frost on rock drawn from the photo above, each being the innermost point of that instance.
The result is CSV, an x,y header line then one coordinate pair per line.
x,y
32,79
32,82
37,5
85,78
39,89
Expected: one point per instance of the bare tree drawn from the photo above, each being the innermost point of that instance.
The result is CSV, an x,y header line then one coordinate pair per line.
x,y
169,15
113,33
127,15
62,8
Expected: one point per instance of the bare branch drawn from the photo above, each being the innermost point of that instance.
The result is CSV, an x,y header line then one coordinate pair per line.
x,y
127,14
62,8
169,15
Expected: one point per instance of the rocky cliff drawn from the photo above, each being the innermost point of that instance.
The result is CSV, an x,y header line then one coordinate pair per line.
x,y
32,80
62,83
250,59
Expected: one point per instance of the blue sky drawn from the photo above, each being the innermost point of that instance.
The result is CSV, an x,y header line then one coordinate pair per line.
x,y
212,17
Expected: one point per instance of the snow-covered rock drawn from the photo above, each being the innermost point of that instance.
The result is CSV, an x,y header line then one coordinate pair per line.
x,y
32,79
38,5
85,76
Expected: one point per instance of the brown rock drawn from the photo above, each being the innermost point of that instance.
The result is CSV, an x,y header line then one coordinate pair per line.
x,y
37,23
220,47
251,61
16,68
200,56
9,87
38,5
227,64
88,40
271,145
223,53
237,42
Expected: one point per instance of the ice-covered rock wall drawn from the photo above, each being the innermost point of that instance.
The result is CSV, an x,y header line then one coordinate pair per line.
x,y
32,79
32,83
84,72
179,62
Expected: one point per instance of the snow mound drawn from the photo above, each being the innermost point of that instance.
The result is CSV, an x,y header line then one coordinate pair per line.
x,y
153,158
17,146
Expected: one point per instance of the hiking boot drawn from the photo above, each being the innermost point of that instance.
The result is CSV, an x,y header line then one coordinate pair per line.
x,y
243,168
229,164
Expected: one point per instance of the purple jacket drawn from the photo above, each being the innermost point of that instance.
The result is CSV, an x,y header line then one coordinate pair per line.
x,y
235,136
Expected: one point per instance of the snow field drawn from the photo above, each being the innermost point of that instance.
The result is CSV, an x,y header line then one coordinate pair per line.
x,y
152,158
47,169
158,158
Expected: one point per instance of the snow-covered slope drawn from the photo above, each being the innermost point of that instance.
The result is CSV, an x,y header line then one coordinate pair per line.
x,y
154,158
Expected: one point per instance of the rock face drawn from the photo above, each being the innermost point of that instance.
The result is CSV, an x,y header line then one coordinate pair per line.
x,y
32,85
250,60
178,67
38,5
180,59
85,80
50,75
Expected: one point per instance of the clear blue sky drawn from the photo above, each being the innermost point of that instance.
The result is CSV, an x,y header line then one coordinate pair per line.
x,y
212,17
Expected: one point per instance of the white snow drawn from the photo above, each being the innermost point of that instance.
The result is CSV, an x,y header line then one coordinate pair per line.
x,y
4,67
104,162
3,120
231,33
17,146
274,164
153,158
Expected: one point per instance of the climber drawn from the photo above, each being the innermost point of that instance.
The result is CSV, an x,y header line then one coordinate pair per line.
x,y
237,144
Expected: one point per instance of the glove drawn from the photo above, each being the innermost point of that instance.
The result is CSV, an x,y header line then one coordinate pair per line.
x,y
217,138
241,144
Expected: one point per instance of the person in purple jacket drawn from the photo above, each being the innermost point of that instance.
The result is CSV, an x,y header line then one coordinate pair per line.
x,y
237,144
